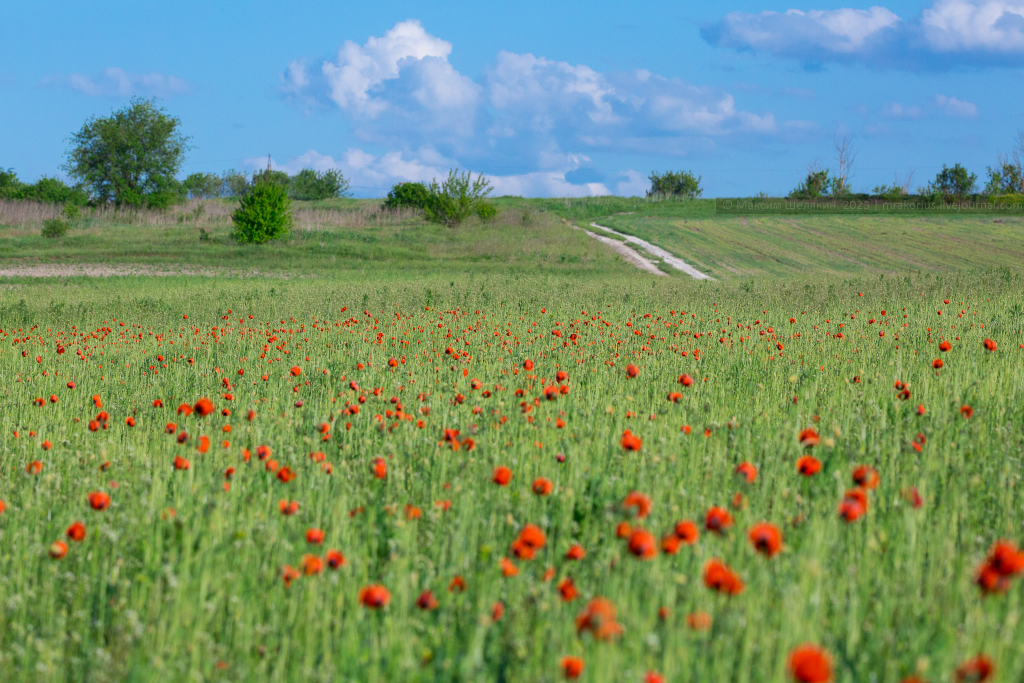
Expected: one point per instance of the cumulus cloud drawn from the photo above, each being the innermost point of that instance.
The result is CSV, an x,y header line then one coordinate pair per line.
x,y
949,34
116,82
526,120
896,110
951,106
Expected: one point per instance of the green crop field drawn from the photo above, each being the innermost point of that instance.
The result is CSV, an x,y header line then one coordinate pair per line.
x,y
403,453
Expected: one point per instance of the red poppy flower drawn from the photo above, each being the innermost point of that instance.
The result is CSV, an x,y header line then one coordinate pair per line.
x,y
687,532
719,577
34,467
575,552
866,477
631,442
285,475
808,465
642,544
810,664
809,438
975,670
937,363
599,618
204,444
542,486
854,505
204,407
528,365
296,371
945,346
335,559
990,345
572,667
99,500
311,565
967,412
76,532
58,549
314,536
766,538
717,520
287,508
532,536
686,380
380,468
747,471
502,475
497,611
184,410
670,544
639,501
457,584
699,621
426,601
289,574
568,589
622,530
508,568
632,371
374,596
181,463
653,677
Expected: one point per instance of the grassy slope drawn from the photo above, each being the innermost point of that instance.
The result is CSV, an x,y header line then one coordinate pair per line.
x,y
783,246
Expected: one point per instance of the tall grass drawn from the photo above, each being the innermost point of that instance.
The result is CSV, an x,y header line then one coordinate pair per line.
x,y
180,580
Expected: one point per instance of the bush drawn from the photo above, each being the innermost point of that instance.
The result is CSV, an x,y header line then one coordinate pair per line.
x,y
817,184
264,214
236,183
268,176
55,228
675,184
313,185
486,211
70,211
407,195
456,198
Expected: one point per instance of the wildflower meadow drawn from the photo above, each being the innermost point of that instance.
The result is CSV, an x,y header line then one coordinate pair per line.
x,y
512,478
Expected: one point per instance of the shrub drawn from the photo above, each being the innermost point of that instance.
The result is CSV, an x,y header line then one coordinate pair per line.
x,y
486,211
55,228
70,211
456,198
264,214
203,186
407,195
311,185
675,184
817,184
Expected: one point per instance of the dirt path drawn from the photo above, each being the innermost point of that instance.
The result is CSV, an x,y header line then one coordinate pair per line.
x,y
666,256
630,255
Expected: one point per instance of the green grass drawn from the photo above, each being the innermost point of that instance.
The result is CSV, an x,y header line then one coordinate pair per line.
x,y
726,247
197,594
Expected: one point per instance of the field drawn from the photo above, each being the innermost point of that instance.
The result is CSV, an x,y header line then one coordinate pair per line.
x,y
335,509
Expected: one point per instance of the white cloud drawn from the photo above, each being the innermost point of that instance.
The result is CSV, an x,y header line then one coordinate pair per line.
x,y
116,82
636,184
951,106
949,34
896,110
990,25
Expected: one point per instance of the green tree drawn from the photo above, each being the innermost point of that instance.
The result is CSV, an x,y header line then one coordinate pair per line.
x,y
203,186
264,214
130,157
953,183
411,195
236,183
675,184
457,198
312,185
9,184
279,178
1008,175
817,184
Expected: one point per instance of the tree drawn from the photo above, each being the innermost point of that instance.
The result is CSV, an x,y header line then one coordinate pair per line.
x,y
264,214
457,198
9,184
956,182
411,195
845,156
1008,175
675,184
130,157
279,178
312,185
203,186
236,183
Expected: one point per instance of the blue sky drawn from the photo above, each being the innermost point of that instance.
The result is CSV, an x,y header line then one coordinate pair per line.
x,y
546,98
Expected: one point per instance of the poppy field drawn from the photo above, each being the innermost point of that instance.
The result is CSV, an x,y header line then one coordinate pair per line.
x,y
513,478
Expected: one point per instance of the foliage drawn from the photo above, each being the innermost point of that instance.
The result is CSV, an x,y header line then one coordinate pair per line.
x,y
407,195
316,185
683,184
279,178
130,157
953,183
457,198
54,228
817,184
1007,178
203,186
46,189
9,184
236,183
264,214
